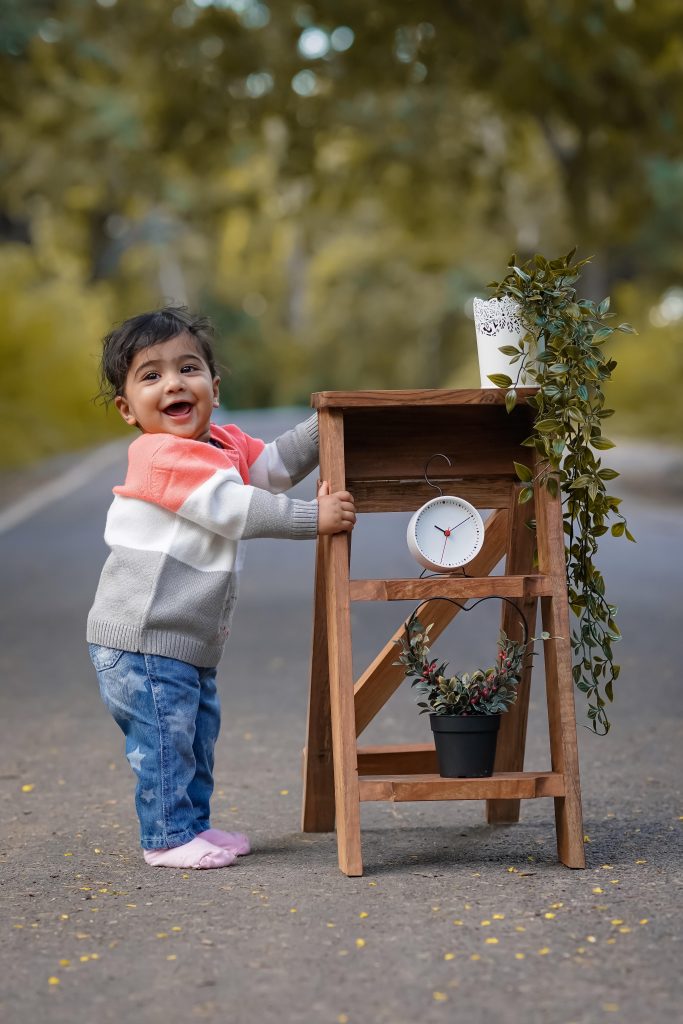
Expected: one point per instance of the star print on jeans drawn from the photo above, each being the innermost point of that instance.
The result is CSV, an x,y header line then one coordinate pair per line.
x,y
147,795
135,759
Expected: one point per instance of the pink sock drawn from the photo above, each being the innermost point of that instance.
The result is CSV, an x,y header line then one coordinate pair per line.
x,y
235,842
195,854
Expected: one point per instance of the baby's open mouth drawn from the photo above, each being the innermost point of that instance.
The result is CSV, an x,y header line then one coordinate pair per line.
x,y
178,409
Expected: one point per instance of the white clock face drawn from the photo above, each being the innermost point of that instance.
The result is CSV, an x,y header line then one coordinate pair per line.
x,y
445,533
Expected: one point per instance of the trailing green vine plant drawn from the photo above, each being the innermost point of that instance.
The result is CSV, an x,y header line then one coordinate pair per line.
x,y
563,354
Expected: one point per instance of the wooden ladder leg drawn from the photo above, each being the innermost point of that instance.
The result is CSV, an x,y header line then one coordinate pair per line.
x,y
338,605
559,682
317,813
511,742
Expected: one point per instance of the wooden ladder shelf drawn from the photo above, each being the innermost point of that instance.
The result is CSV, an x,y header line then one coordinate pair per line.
x,y
376,444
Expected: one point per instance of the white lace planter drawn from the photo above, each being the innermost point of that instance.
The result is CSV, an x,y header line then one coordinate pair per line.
x,y
497,322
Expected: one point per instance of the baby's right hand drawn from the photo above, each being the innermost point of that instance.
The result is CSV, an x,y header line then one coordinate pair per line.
x,y
336,512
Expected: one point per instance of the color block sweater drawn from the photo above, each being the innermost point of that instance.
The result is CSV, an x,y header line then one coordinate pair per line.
x,y
169,585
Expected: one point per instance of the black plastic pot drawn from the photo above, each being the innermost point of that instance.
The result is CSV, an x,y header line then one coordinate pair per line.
x,y
465,746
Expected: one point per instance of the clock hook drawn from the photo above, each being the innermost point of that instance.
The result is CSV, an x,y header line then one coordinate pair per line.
x,y
439,455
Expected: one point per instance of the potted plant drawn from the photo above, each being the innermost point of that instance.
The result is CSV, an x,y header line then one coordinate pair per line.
x,y
464,709
561,353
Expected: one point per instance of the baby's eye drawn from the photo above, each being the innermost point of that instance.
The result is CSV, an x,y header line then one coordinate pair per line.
x,y
151,375
188,368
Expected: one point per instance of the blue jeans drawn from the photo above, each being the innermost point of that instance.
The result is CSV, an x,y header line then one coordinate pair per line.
x,y
169,712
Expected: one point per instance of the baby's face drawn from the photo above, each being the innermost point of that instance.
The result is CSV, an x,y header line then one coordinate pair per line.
x,y
169,390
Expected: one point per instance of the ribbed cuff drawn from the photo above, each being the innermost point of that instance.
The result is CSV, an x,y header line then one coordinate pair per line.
x,y
304,519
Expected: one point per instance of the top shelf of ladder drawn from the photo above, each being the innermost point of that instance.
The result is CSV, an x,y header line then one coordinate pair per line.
x,y
420,397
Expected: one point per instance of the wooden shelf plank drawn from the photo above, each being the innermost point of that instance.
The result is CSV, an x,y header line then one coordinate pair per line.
x,y
464,587
412,398
406,759
500,786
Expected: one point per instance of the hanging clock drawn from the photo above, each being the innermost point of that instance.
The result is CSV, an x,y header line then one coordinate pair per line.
x,y
445,533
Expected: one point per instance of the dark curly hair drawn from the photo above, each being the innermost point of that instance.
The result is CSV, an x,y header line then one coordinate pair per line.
x,y
139,332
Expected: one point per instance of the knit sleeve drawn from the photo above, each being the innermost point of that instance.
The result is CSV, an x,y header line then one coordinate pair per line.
x,y
286,460
192,480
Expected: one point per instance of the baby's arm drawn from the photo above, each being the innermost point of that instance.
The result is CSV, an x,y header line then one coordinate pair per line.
x,y
281,463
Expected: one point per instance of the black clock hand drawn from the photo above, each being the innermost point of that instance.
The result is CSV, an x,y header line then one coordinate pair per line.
x,y
457,524
439,528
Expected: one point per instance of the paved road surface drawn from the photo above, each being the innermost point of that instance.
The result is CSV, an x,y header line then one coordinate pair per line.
x,y
452,919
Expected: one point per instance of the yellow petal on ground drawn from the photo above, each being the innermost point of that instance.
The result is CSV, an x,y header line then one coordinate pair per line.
x,y
330,924
644,920
586,839
485,923
94,956
84,959
162,935
293,910
616,920
68,854
63,917
591,938
624,930
499,917
607,867
549,915
641,861
449,956
457,921
491,941
363,913
519,956
475,956
284,792
555,906
133,905
342,1019
360,943
439,997
614,881
543,951
597,889
372,883
520,928
28,787
610,1007
172,956
53,981
64,963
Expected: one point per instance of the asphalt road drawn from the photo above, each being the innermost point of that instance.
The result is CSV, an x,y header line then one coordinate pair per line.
x,y
451,920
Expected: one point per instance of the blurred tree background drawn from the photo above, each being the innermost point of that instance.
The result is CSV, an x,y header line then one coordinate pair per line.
x,y
332,182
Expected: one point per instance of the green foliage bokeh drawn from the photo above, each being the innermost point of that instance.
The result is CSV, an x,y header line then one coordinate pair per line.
x,y
332,183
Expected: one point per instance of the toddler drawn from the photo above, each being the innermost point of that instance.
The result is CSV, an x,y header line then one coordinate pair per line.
x,y
162,612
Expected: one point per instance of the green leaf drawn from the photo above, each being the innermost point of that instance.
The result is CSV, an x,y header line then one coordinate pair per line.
x,y
509,350
553,487
521,273
525,494
501,380
604,306
547,426
522,471
607,474
626,329
618,529
511,400
602,443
